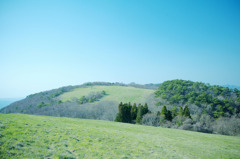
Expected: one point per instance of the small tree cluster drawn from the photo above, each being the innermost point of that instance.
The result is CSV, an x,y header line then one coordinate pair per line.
x,y
170,114
142,110
92,97
128,113
166,113
42,104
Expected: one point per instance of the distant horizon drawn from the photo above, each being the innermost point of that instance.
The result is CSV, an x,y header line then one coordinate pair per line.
x,y
49,44
6,101
24,96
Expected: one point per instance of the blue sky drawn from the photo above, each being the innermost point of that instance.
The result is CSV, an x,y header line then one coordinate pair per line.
x,y
48,44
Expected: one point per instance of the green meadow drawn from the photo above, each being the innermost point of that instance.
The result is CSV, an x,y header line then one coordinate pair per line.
x,y
114,93
31,136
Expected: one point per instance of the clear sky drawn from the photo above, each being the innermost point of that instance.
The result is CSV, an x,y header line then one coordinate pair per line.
x,y
47,44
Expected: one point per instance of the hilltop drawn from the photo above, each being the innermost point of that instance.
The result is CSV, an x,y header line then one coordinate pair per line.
x,y
97,100
30,136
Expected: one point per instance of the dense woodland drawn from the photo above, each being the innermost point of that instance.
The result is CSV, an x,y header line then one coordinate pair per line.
x,y
190,106
176,104
215,101
196,106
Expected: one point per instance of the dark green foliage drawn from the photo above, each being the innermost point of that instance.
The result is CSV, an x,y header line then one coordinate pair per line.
x,y
139,114
92,97
119,117
174,112
124,113
42,104
221,99
142,110
187,112
134,111
180,112
166,113
169,115
145,109
127,113
104,92
82,100
57,93
164,110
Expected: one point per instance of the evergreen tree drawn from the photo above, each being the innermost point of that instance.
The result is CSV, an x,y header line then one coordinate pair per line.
x,y
187,112
126,113
169,115
180,112
139,114
119,117
134,112
164,110
145,109
174,112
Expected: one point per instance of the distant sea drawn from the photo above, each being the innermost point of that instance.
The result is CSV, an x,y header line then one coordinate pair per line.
x,y
6,101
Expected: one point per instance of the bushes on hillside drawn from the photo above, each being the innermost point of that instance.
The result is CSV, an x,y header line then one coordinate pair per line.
x,y
227,126
92,97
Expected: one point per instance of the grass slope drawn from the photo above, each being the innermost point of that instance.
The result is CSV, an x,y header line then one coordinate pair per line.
x,y
29,136
114,93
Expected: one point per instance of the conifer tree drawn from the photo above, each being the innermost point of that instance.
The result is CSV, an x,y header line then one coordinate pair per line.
x,y
145,109
126,113
174,112
134,111
164,110
180,112
119,117
169,115
187,112
139,114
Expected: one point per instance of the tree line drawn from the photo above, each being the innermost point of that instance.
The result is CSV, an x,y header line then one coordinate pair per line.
x,y
128,113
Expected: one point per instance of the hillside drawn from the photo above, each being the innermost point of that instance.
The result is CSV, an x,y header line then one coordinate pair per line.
x,y
215,101
113,93
30,136
178,104
6,101
98,100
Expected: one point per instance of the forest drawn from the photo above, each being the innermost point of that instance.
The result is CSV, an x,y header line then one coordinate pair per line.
x,y
194,106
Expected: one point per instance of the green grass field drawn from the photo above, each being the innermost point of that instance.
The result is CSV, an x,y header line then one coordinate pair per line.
x,y
29,136
114,93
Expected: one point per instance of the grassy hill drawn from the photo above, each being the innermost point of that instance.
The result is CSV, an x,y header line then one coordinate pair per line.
x,y
113,93
66,101
29,136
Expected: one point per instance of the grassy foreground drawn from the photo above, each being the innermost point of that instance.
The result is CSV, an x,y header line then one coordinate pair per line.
x,y
114,93
30,136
